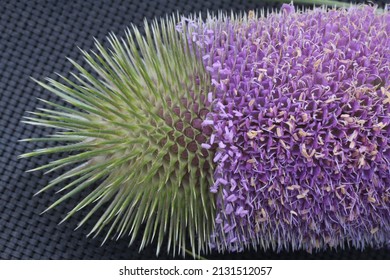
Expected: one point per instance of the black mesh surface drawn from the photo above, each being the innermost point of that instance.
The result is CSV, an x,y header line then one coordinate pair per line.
x,y
35,39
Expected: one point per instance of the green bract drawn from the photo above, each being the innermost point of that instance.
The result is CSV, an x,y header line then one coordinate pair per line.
x,y
135,139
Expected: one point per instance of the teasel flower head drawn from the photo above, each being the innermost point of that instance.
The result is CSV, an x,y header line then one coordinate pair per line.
x,y
233,132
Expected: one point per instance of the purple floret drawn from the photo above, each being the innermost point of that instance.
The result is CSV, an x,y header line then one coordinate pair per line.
x,y
301,128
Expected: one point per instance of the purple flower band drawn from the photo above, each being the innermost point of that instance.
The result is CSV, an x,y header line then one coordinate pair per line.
x,y
301,122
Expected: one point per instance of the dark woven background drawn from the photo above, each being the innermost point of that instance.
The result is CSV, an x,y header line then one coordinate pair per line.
x,y
35,38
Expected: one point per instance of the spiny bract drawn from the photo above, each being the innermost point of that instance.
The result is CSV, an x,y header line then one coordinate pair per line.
x,y
137,129
234,132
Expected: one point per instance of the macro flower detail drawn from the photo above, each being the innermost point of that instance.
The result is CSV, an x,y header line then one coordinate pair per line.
x,y
302,123
232,132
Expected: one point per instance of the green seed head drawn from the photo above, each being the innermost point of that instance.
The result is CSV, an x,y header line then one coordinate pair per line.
x,y
134,133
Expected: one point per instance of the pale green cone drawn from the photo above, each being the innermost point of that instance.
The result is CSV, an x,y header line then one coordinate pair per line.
x,y
135,139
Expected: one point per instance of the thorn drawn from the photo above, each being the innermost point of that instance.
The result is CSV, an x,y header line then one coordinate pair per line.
x,y
78,226
47,172
35,194
31,170
44,211
63,220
